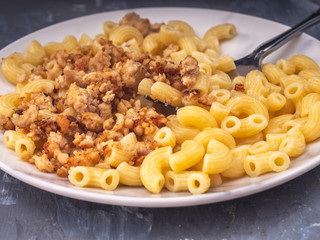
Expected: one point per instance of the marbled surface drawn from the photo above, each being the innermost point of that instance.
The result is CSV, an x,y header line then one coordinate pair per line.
x,y
289,211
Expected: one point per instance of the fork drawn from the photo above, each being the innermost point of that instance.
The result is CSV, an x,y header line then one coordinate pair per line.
x,y
254,60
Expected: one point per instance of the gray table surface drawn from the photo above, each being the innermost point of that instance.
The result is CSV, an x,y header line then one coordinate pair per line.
x,y
289,211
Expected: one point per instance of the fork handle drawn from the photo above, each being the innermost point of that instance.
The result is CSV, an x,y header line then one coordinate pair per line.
x,y
274,43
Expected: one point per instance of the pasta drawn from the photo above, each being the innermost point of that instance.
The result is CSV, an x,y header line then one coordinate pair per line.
x,y
275,101
250,140
245,127
222,31
213,43
108,26
129,175
78,108
307,102
144,87
193,116
226,63
178,56
255,165
206,135
69,43
22,144
175,182
129,142
53,68
187,44
304,62
121,34
201,83
117,156
220,79
152,167
190,154
34,53
85,40
108,179
236,168
8,102
11,68
259,88
244,105
217,159
219,112
41,85
273,73
311,129
274,140
166,93
182,27
198,182
221,95
294,143
313,84
165,137
168,34
205,58
152,44
276,124
201,44
286,66
195,182
182,133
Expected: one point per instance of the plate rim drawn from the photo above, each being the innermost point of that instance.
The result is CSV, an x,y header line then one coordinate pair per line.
x,y
158,202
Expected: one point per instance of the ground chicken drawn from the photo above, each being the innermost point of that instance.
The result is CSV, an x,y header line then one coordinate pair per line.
x,y
92,121
189,71
142,24
77,98
28,117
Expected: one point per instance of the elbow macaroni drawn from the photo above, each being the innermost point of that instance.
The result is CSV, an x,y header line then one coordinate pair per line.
x,y
21,143
276,161
8,102
194,116
217,159
246,127
182,133
190,154
195,182
165,137
107,179
151,169
124,33
129,175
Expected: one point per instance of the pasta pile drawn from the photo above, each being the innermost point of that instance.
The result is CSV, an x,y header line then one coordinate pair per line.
x,y
76,109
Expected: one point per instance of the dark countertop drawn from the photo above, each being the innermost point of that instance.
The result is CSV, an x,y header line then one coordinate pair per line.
x,y
289,211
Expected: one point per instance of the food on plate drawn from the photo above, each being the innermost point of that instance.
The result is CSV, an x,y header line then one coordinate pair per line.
x,y
78,108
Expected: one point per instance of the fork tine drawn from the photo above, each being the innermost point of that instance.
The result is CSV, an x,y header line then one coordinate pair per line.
x,y
159,102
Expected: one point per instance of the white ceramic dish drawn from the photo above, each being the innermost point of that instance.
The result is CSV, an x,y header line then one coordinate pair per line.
x,y
251,32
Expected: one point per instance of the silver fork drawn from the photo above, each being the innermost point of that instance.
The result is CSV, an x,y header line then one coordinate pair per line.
x,y
254,59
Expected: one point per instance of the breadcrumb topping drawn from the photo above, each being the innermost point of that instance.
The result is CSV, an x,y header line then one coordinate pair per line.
x,y
94,102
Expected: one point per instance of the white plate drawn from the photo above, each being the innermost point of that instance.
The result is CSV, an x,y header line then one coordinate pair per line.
x,y
251,32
